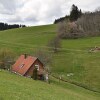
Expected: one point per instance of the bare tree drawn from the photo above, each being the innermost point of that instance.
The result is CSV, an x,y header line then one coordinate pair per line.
x,y
55,44
90,23
62,29
97,9
44,56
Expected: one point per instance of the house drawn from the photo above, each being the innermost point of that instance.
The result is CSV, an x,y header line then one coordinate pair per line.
x,y
25,66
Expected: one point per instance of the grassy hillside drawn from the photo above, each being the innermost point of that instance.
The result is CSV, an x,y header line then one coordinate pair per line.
x,y
74,57
14,87
26,39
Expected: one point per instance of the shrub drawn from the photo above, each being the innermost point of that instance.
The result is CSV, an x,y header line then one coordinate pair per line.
x,y
6,58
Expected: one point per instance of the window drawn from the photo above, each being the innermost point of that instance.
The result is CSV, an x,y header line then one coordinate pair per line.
x,y
21,65
37,66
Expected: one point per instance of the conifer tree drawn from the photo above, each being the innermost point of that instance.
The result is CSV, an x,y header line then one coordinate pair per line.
x,y
75,13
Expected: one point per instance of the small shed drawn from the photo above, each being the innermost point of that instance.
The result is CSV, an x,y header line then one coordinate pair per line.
x,y
25,66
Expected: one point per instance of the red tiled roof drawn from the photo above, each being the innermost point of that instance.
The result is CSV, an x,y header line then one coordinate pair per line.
x,y
22,65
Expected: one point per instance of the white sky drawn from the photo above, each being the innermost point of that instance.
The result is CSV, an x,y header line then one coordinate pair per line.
x,y
38,12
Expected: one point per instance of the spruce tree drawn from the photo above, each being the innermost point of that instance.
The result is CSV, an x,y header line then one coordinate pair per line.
x,y
75,13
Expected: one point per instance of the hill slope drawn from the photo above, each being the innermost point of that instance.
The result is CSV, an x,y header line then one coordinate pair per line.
x,y
73,58
13,87
26,39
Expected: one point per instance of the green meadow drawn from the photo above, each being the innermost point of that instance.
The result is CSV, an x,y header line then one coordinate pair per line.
x,y
14,87
73,62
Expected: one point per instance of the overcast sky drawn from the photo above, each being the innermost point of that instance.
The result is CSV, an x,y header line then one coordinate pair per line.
x,y
38,12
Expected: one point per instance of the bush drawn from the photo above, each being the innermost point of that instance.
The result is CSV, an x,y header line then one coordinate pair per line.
x,y
6,58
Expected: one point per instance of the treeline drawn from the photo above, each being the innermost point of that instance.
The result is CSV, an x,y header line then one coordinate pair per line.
x,y
79,24
5,26
74,15
61,19
87,25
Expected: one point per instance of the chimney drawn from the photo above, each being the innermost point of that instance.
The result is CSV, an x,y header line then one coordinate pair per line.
x,y
25,56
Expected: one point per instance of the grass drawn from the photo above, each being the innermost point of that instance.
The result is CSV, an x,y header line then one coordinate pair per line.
x,y
26,39
14,87
73,58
